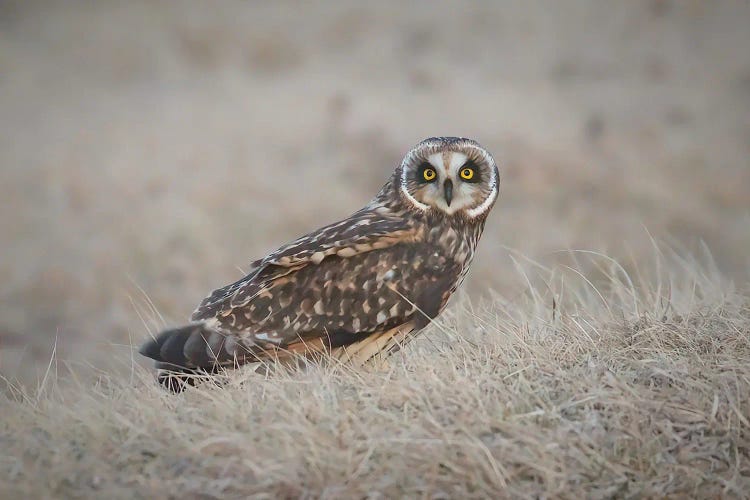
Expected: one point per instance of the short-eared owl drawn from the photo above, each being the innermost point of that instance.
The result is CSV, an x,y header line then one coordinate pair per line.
x,y
354,288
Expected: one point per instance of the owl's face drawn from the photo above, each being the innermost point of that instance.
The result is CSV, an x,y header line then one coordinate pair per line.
x,y
451,175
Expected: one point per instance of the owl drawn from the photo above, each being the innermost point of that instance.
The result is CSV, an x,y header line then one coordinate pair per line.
x,y
357,288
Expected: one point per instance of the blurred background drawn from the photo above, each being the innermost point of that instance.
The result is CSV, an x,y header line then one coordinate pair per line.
x,y
157,148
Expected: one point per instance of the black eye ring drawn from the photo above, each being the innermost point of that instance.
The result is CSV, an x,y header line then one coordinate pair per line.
x,y
427,173
469,172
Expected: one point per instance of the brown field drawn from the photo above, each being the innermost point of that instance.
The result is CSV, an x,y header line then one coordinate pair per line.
x,y
150,151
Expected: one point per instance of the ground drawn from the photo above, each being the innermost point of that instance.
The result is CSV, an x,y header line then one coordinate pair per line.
x,y
629,389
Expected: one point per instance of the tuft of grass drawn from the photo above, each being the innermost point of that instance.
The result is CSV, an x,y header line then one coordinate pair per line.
x,y
604,383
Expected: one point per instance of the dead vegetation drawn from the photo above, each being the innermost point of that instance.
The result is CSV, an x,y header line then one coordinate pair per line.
x,y
154,147
623,386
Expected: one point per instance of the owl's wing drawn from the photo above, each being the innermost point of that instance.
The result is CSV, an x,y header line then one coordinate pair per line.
x,y
366,295
364,231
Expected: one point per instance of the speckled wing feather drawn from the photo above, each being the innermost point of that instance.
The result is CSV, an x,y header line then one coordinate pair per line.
x,y
366,230
339,286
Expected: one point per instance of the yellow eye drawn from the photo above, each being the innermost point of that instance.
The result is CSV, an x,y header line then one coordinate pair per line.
x,y
429,174
467,174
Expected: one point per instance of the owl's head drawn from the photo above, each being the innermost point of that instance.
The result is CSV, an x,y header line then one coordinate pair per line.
x,y
451,175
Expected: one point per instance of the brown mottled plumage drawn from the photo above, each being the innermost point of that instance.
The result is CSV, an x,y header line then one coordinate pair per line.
x,y
357,287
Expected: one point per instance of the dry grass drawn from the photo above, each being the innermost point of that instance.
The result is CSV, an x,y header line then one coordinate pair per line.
x,y
627,387
154,147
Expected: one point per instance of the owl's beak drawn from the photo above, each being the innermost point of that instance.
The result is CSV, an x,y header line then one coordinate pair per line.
x,y
448,186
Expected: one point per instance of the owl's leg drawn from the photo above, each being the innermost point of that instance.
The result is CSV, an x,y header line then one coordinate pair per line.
x,y
177,379
376,347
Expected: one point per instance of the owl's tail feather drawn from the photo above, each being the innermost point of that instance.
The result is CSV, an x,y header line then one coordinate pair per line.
x,y
186,354
189,354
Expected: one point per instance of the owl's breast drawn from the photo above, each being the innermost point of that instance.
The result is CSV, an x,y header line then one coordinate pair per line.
x,y
458,244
